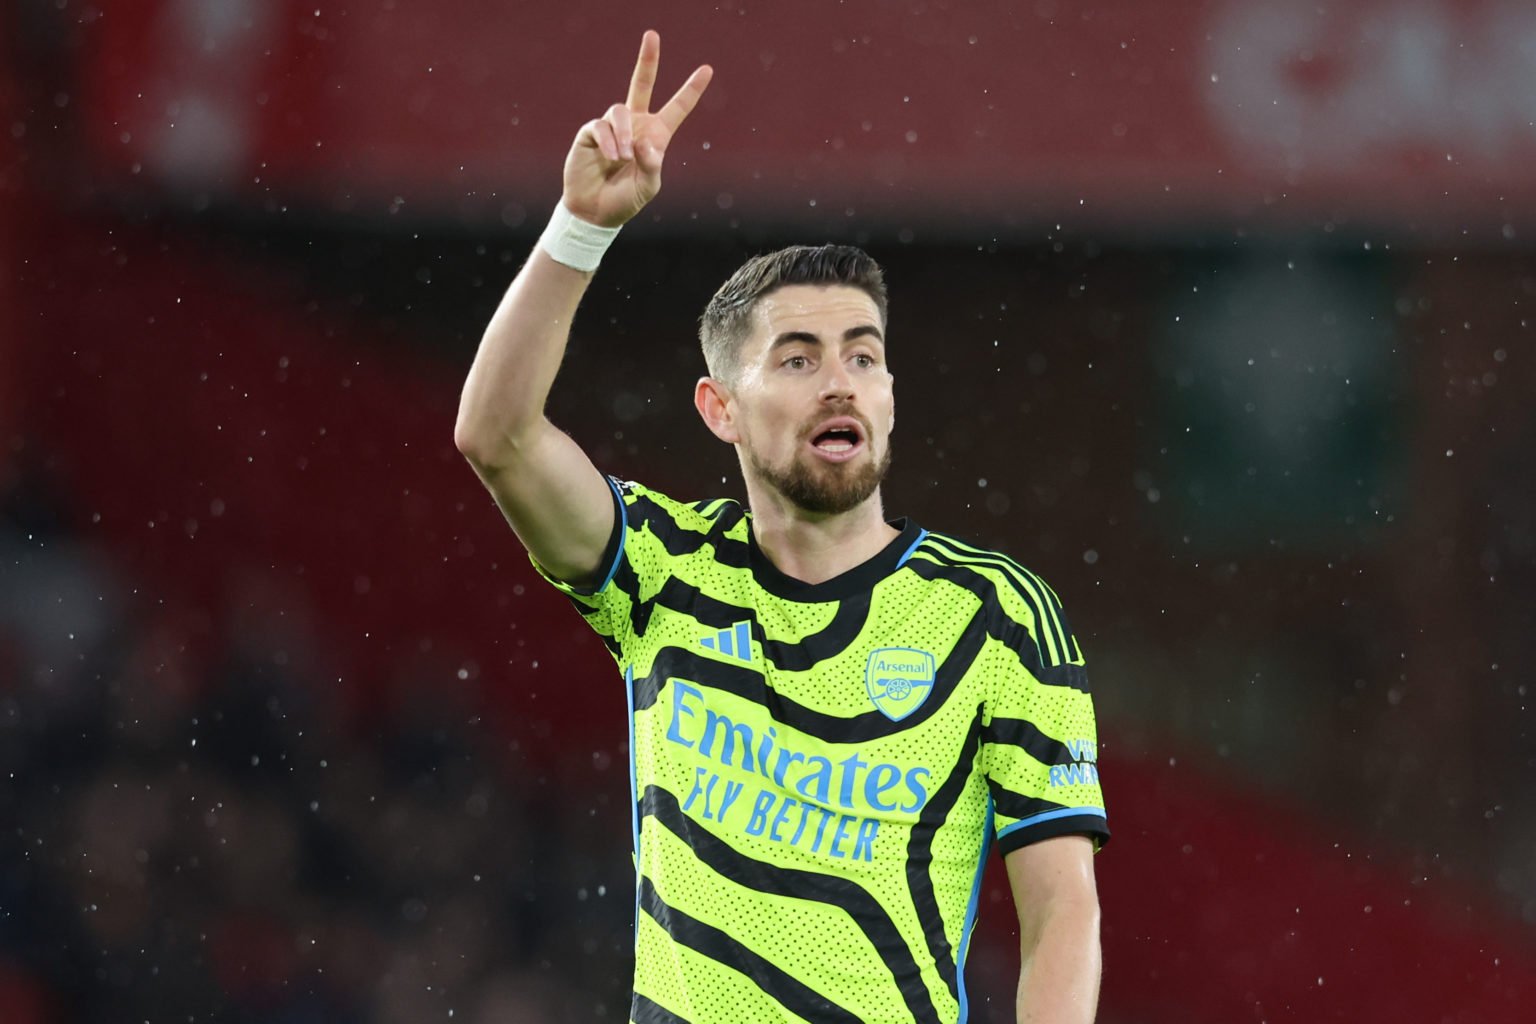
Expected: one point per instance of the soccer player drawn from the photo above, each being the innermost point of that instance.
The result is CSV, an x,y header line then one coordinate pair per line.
x,y
833,715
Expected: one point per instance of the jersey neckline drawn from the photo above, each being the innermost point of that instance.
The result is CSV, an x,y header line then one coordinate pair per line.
x,y
861,577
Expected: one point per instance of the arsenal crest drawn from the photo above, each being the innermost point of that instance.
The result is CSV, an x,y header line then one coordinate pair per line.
x,y
898,679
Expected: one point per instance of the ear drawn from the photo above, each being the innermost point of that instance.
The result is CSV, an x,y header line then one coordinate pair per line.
x,y
716,407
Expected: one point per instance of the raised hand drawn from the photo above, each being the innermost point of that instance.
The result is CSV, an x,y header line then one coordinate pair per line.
x,y
614,166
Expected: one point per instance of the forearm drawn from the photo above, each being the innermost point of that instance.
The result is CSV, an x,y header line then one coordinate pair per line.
x,y
1060,965
519,355
612,170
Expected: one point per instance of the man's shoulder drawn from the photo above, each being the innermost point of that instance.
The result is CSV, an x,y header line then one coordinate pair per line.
x,y
988,570
1011,592
647,506
949,550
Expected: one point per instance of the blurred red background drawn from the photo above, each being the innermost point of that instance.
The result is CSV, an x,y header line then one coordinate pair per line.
x,y
1215,315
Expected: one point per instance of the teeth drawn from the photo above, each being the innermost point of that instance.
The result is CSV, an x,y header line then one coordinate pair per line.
x,y
836,446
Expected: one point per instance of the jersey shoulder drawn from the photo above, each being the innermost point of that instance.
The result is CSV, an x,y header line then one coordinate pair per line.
x,y
704,514
1009,588
681,526
967,560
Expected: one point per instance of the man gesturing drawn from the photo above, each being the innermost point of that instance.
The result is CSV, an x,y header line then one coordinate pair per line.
x,y
833,715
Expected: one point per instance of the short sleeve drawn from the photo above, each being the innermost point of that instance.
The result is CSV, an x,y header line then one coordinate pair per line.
x,y
1040,740
636,560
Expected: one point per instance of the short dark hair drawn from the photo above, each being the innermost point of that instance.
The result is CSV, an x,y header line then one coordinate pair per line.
x,y
724,325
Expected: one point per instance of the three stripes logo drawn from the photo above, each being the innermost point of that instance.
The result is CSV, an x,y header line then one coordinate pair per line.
x,y
735,642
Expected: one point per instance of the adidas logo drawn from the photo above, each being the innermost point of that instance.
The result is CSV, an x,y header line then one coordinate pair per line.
x,y
735,642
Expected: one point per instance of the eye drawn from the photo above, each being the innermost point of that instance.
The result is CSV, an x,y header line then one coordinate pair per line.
x,y
864,360
796,362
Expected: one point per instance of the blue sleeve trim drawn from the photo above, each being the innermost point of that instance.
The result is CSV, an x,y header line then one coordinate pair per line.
x,y
970,913
634,790
922,536
1035,819
622,524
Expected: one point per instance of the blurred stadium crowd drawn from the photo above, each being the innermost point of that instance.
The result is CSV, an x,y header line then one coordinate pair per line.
x,y
193,828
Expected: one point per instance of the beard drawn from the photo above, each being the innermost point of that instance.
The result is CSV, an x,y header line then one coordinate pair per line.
x,y
824,488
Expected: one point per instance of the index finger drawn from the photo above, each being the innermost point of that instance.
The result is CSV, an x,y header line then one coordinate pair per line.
x,y
685,99
644,78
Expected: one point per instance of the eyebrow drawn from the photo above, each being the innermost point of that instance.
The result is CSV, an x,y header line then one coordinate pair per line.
x,y
861,331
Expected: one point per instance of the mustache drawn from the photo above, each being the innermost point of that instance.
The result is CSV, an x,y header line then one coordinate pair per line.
x,y
838,409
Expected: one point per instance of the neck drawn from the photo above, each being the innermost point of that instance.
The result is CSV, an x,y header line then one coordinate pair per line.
x,y
812,547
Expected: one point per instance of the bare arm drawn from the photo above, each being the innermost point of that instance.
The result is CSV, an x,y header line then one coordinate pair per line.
x,y
1058,907
554,498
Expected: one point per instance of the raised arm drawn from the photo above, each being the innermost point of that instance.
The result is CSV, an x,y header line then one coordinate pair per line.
x,y
554,498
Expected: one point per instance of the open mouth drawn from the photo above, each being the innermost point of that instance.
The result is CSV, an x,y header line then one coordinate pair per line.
x,y
838,439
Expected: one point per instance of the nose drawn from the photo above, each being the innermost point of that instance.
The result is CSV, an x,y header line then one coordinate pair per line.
x,y
836,383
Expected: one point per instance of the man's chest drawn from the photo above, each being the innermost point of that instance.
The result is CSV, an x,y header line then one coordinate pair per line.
x,y
810,728
846,670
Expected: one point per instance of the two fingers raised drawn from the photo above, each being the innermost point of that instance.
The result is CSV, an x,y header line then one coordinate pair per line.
x,y
614,134
643,82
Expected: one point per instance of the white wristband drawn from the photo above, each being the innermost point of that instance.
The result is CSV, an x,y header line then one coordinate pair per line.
x,y
574,242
